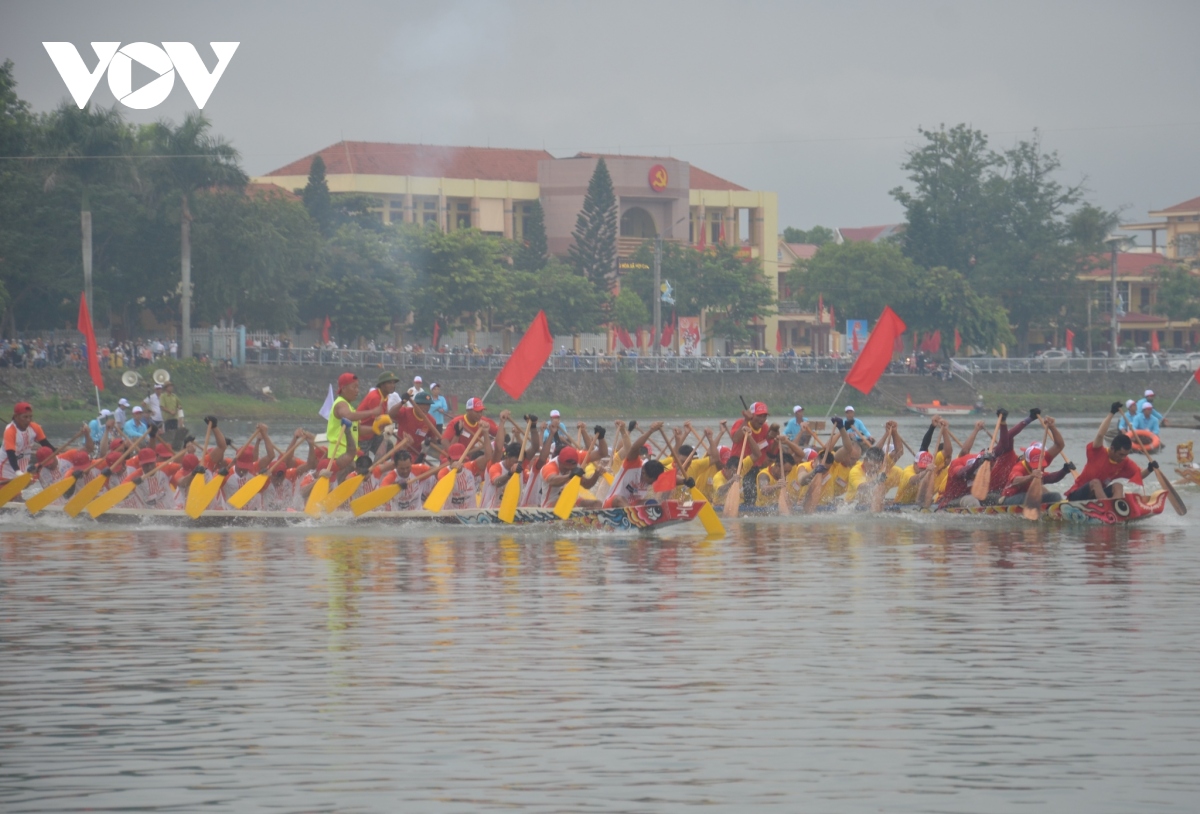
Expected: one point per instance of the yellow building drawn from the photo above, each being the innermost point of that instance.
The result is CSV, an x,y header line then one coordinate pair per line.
x,y
1181,223
492,189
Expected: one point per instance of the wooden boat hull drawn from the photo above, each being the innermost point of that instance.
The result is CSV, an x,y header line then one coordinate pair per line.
x,y
643,518
940,409
1110,512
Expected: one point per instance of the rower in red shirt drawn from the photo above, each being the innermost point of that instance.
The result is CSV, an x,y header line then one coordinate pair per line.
x,y
761,448
1104,466
460,430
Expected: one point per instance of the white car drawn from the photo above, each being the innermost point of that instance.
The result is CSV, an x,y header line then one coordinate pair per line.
x,y
1139,362
1190,361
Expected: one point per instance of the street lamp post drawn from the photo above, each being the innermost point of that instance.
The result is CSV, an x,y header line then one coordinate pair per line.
x,y
1114,242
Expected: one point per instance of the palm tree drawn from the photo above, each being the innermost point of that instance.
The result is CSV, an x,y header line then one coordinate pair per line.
x,y
190,159
92,146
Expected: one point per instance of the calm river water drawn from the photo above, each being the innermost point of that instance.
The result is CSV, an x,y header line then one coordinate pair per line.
x,y
835,665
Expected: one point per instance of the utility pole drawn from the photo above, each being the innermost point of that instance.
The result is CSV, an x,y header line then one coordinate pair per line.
x,y
1114,242
657,295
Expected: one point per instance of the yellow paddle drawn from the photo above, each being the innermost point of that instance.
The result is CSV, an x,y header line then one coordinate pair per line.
x,y
80,500
374,499
118,493
249,489
566,499
708,515
320,490
445,485
512,489
341,493
200,496
14,487
50,494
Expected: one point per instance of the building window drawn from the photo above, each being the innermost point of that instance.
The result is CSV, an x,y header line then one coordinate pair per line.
x,y
1145,294
1185,245
464,221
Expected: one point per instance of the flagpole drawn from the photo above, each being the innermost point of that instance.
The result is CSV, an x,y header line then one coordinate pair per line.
x,y
835,399
1177,398
485,393
98,400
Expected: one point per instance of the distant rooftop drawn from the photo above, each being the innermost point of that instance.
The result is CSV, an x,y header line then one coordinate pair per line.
x,y
869,234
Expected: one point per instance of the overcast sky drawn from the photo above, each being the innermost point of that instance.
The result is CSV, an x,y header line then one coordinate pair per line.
x,y
816,101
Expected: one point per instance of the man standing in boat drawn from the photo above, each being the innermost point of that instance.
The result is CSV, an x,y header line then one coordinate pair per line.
x,y
342,428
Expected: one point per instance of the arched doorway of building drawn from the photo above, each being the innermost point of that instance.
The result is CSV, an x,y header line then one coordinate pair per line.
x,y
637,222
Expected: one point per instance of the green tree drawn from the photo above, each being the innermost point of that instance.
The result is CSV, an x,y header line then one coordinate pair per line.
x,y
817,236
1178,293
857,278
733,293
189,159
459,276
682,267
316,196
87,144
362,283
629,311
593,251
572,304
252,254
533,254
943,300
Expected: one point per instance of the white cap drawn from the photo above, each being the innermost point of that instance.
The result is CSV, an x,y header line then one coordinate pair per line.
x,y
797,409
433,385
138,410
122,402
1148,393
157,386
1147,406
849,409
417,379
555,414
105,413
1130,403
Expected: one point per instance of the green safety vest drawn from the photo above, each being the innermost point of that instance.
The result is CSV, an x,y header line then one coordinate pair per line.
x,y
335,433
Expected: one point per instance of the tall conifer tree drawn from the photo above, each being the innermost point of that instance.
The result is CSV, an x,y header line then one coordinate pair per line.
x,y
533,254
593,252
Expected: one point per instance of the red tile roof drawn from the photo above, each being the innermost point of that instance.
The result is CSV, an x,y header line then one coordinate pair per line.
x,y
1136,264
802,251
422,160
869,234
1187,206
700,179
261,190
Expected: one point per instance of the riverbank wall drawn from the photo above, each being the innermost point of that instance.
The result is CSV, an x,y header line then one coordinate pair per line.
x,y
626,392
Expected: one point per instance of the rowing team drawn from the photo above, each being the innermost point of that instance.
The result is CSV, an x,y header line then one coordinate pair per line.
x,y
395,453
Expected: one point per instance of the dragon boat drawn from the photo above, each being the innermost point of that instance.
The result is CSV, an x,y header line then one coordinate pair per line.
x,y
643,519
1108,512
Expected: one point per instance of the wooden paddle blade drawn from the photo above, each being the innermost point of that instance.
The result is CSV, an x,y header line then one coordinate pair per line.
x,y
441,492
1031,514
50,494
374,499
110,499
1033,495
566,499
342,493
510,499
784,508
708,515
320,491
983,478
84,496
249,489
1172,496
205,494
14,487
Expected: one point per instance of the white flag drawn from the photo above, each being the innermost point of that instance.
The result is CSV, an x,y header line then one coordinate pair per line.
x,y
327,407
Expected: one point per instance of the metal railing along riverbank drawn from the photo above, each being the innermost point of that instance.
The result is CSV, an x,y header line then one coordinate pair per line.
x,y
400,360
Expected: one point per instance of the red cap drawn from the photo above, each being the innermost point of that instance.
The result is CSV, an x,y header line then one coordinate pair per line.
x,y
189,462
278,466
724,453
568,455
455,452
43,453
246,457
345,379
80,457
164,451
111,458
925,460
147,456
475,404
22,407
758,408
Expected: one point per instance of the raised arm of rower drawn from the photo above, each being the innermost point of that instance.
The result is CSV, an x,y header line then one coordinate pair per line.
x,y
1113,409
970,442
844,456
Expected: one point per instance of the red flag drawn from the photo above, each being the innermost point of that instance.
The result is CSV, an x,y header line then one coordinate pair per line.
x,y
877,354
935,341
1070,340
1196,375
325,331
702,243
437,331
957,340
527,358
832,319
665,482
668,333
93,352
898,347
854,343
722,233
623,337
1154,346
779,338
